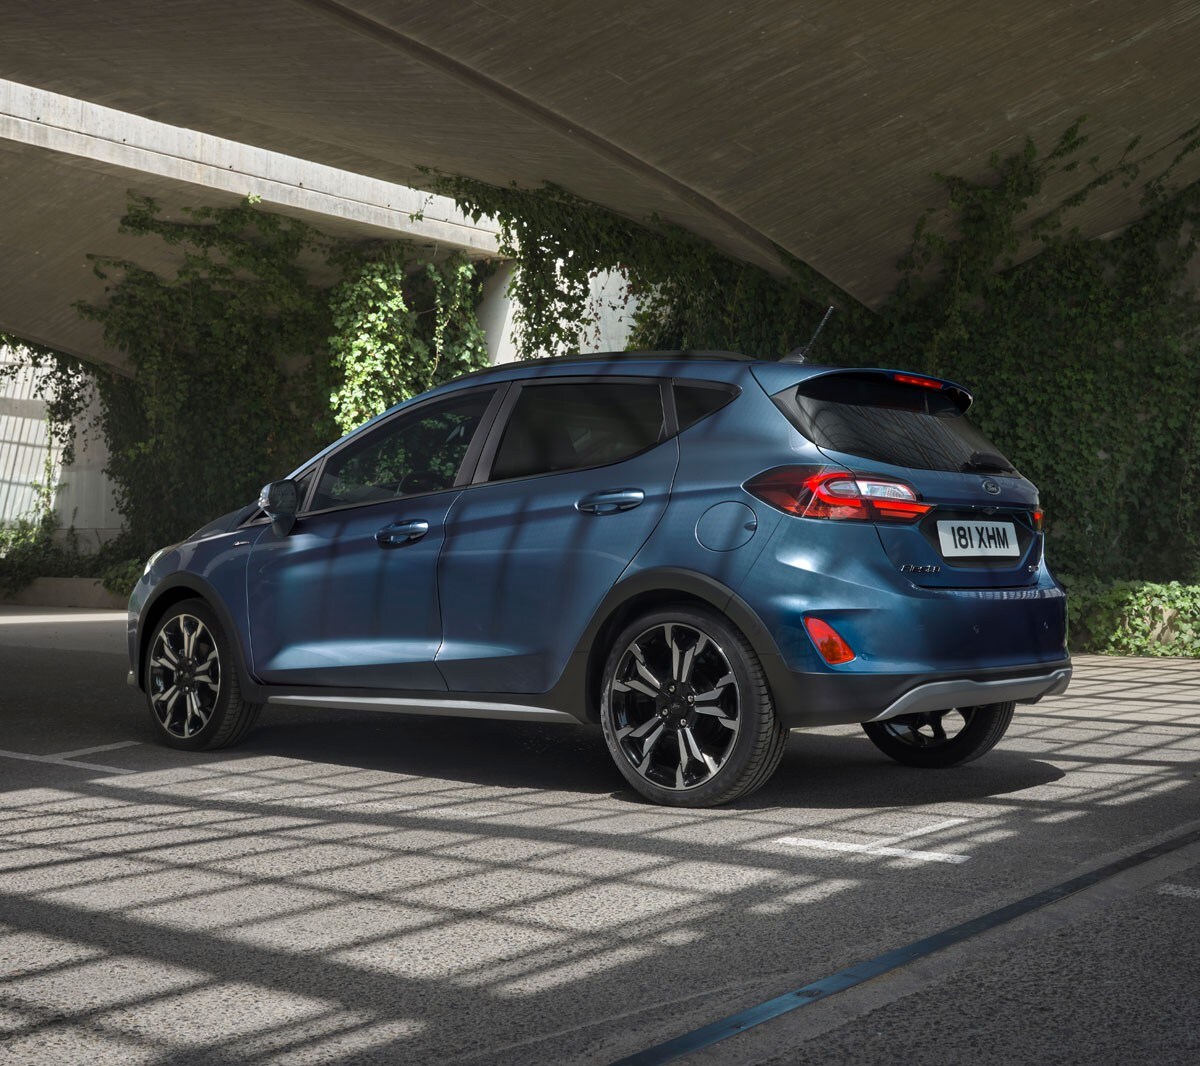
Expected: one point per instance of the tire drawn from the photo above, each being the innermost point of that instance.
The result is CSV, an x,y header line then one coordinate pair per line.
x,y
191,681
935,739
723,743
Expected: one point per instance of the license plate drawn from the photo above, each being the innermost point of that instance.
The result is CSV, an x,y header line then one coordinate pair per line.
x,y
977,539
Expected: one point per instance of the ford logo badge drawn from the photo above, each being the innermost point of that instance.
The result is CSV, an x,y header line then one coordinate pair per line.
x,y
990,486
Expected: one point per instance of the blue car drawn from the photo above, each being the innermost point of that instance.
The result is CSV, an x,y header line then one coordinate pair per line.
x,y
696,551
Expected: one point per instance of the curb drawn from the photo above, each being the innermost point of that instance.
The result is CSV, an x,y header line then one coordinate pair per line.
x,y
66,592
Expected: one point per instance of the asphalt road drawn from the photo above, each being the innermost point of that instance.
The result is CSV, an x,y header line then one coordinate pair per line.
x,y
349,888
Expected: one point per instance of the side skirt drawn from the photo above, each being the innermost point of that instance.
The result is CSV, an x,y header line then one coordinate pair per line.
x,y
510,712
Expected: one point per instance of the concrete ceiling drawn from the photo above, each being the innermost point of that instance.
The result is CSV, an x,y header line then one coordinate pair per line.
x,y
815,127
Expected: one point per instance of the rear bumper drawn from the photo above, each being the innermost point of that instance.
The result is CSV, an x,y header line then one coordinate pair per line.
x,y
837,699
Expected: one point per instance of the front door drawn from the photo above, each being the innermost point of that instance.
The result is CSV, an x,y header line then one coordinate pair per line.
x,y
349,597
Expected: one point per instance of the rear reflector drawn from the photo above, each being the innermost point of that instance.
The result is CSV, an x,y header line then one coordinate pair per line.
x,y
822,492
834,650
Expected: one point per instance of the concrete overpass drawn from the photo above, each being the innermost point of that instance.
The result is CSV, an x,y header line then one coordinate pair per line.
x,y
813,127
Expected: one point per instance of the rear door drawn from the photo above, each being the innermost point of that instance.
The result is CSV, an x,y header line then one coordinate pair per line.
x,y
573,480
984,528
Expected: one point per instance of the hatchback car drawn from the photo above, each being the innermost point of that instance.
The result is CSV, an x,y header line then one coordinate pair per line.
x,y
696,551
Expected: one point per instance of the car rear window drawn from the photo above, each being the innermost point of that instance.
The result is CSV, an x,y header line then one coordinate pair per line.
x,y
873,417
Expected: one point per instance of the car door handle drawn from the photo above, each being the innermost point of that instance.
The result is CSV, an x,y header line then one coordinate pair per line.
x,y
399,533
610,501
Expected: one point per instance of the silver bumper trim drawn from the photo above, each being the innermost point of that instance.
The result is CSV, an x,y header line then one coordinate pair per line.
x,y
941,695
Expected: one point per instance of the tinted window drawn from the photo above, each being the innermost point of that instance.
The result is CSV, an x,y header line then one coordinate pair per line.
x,y
870,416
694,402
565,427
411,453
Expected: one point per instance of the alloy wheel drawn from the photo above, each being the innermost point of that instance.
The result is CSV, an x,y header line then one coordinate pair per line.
x,y
930,729
675,705
185,675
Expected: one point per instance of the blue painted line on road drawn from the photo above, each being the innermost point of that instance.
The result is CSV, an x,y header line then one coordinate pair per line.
x,y
746,1019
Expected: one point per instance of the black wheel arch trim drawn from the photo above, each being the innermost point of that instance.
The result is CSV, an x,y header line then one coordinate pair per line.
x,y
170,588
576,689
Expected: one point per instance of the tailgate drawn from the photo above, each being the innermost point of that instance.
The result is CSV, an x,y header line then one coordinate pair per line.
x,y
984,527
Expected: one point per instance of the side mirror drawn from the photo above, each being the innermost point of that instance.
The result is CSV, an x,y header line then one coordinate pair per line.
x,y
281,500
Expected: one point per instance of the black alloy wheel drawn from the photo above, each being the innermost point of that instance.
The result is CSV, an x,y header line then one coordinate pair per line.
x,y
938,739
687,714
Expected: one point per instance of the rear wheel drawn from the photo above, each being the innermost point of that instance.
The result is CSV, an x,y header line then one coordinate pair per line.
x,y
941,738
192,686
686,710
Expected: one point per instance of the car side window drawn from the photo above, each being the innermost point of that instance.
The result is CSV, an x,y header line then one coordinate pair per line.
x,y
412,453
574,425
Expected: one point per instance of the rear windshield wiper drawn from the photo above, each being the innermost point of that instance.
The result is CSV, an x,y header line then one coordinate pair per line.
x,y
987,463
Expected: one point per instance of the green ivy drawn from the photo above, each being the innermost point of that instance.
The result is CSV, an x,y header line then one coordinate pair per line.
x,y
1133,617
398,331
689,295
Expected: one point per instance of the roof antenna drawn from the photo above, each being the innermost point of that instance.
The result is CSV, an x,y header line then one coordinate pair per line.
x,y
800,355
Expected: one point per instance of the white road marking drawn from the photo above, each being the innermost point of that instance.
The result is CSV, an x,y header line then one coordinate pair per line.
x,y
883,848
1183,891
66,762
874,849
92,751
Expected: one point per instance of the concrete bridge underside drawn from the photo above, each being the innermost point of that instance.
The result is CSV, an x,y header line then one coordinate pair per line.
x,y
812,127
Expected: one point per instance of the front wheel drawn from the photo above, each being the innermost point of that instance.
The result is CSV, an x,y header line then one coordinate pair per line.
x,y
687,714
941,738
192,686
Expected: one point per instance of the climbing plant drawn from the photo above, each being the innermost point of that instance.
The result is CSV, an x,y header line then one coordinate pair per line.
x,y
1083,353
226,388
687,293
397,331
1084,356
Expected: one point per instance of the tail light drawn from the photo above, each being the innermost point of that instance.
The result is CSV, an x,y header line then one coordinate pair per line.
x,y
821,492
1039,519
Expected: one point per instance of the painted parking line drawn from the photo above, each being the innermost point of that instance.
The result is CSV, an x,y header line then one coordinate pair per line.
x,y
92,751
885,847
76,763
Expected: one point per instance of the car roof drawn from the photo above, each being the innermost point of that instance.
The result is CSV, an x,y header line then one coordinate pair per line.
x,y
607,362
